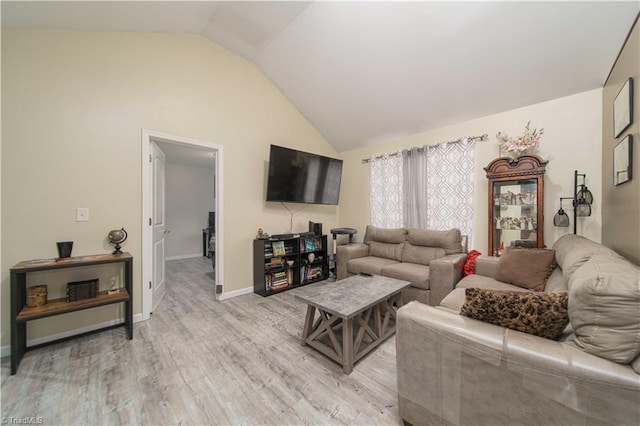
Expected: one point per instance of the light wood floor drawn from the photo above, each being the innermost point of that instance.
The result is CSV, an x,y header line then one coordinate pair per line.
x,y
198,361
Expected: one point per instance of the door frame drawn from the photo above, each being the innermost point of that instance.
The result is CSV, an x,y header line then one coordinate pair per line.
x,y
149,136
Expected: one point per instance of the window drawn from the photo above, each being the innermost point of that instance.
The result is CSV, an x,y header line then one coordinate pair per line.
x,y
429,187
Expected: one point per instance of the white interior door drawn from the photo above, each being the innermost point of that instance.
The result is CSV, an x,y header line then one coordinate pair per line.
x,y
152,246
158,224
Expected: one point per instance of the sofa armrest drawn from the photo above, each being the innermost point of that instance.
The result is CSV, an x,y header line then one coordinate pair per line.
x,y
347,252
456,370
444,274
487,266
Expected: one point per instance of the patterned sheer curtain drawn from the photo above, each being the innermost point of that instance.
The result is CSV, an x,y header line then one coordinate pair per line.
x,y
431,187
449,182
386,190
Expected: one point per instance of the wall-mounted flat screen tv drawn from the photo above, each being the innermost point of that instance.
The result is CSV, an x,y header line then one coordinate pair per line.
x,y
301,177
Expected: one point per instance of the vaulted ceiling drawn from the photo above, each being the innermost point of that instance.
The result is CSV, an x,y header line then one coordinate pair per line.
x,y
363,72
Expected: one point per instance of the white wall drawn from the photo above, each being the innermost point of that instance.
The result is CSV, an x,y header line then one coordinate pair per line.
x,y
73,108
189,199
572,140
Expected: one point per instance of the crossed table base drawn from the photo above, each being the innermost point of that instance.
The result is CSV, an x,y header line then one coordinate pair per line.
x,y
355,315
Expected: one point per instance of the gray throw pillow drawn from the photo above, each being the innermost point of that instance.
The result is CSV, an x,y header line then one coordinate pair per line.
x,y
527,268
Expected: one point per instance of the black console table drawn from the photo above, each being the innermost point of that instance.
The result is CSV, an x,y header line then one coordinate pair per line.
x,y
21,314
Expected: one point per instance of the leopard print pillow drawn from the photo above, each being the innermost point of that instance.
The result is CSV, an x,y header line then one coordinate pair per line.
x,y
541,314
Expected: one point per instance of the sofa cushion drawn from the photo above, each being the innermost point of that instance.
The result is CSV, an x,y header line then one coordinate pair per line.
x,y
386,250
480,281
573,251
487,265
528,268
417,274
384,235
556,282
604,308
450,241
455,299
541,314
368,265
635,364
421,255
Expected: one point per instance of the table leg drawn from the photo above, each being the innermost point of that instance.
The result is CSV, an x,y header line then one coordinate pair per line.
x,y
128,305
308,323
347,345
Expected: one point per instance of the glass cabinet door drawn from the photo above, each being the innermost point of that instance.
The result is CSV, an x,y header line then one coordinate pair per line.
x,y
516,199
515,213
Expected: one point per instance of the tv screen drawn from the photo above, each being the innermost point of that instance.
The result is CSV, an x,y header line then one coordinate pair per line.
x,y
301,177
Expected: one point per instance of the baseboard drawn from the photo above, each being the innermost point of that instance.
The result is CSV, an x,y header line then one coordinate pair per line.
x,y
6,350
235,293
184,256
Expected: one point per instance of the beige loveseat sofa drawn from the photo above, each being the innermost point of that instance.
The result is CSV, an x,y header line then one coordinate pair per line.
x,y
431,260
455,370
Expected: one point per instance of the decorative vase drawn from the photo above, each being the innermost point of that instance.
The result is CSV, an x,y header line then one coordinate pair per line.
x,y
64,249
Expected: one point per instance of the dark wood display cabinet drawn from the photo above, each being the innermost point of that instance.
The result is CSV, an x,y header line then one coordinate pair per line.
x,y
282,264
21,314
516,203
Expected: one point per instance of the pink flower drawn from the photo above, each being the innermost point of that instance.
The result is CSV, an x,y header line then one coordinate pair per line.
x,y
529,141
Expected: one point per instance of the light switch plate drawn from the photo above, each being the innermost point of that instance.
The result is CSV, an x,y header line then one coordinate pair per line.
x,y
82,214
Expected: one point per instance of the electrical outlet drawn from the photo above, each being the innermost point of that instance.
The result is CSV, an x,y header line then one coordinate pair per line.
x,y
82,214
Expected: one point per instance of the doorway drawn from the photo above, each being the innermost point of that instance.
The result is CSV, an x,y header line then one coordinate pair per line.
x,y
149,210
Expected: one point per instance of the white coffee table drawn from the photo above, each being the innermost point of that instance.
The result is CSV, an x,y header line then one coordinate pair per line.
x,y
355,315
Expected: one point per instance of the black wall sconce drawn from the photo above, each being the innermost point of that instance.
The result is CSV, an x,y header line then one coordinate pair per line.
x,y
581,203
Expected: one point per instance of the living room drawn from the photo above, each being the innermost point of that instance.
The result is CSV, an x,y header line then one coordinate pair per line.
x,y
75,102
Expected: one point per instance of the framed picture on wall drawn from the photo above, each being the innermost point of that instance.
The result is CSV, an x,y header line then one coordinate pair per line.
x,y
623,108
622,161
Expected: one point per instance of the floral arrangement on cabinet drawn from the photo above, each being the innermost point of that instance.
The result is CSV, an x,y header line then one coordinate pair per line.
x,y
526,144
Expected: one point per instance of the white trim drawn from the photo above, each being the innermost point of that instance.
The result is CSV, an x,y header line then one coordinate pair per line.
x,y
147,137
6,350
235,293
184,256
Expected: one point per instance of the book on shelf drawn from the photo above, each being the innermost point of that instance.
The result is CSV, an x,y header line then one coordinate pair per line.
x,y
278,248
310,244
275,262
308,273
278,280
272,268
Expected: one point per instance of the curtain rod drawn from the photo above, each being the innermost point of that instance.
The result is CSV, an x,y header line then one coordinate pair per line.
x,y
471,138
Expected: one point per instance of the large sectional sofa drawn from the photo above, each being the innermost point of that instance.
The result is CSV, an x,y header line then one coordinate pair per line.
x,y
456,370
431,260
